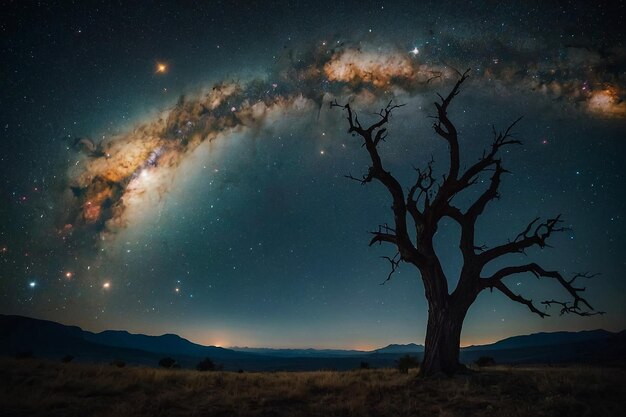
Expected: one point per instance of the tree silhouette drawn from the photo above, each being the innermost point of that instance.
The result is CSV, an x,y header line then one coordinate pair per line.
x,y
406,362
206,365
425,204
167,362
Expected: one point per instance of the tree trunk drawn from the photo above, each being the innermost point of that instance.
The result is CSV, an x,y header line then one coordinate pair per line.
x,y
443,339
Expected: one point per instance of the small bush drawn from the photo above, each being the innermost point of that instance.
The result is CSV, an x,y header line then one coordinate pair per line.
x,y
118,362
67,359
206,365
407,362
365,365
27,354
167,362
485,361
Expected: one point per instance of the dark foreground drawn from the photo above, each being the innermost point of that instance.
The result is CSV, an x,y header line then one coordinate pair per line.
x,y
43,388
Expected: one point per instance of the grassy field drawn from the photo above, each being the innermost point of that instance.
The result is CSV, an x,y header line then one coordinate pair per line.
x,y
43,388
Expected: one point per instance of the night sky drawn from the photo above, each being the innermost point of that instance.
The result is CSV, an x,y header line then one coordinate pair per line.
x,y
177,168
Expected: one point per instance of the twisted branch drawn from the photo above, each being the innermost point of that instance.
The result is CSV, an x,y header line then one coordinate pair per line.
x,y
395,263
574,306
526,239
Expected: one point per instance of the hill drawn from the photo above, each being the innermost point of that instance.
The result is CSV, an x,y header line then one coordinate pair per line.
x,y
47,339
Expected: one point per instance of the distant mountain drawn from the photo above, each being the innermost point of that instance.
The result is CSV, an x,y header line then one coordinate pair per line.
x,y
390,349
25,334
286,353
47,339
598,347
409,348
543,339
170,344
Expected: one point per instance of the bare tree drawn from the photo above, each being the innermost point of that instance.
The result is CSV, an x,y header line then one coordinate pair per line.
x,y
425,204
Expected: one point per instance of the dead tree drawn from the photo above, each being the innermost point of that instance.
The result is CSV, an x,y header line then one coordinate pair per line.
x,y
425,204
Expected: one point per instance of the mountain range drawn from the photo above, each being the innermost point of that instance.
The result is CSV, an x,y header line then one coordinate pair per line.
x,y
48,339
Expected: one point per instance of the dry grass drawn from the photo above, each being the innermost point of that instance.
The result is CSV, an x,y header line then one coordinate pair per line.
x,y
42,388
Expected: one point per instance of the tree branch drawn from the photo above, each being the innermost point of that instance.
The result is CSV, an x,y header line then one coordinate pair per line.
x,y
395,263
377,171
470,177
424,183
567,307
384,116
525,239
573,306
446,130
518,298
353,121
491,193
488,159
384,234
363,180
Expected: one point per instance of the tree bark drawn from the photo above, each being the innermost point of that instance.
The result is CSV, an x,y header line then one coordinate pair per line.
x,y
443,338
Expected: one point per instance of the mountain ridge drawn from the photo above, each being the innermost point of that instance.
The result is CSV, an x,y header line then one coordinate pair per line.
x,y
49,339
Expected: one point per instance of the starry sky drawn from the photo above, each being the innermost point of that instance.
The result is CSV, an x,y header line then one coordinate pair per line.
x,y
176,167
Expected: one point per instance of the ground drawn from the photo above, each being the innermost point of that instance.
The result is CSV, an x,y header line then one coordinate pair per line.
x,y
43,388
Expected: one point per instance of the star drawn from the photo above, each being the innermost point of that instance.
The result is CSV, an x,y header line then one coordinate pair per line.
x,y
161,68
414,51
32,284
106,285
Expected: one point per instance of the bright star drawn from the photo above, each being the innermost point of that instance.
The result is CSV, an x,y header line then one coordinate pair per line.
x,y
106,285
161,68
414,51
32,284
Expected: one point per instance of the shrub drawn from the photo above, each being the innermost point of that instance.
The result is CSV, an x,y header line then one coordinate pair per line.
x,y
67,359
167,362
485,361
365,365
118,362
205,365
406,362
26,354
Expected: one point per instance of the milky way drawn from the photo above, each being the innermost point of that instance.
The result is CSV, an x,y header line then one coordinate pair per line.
x,y
125,166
